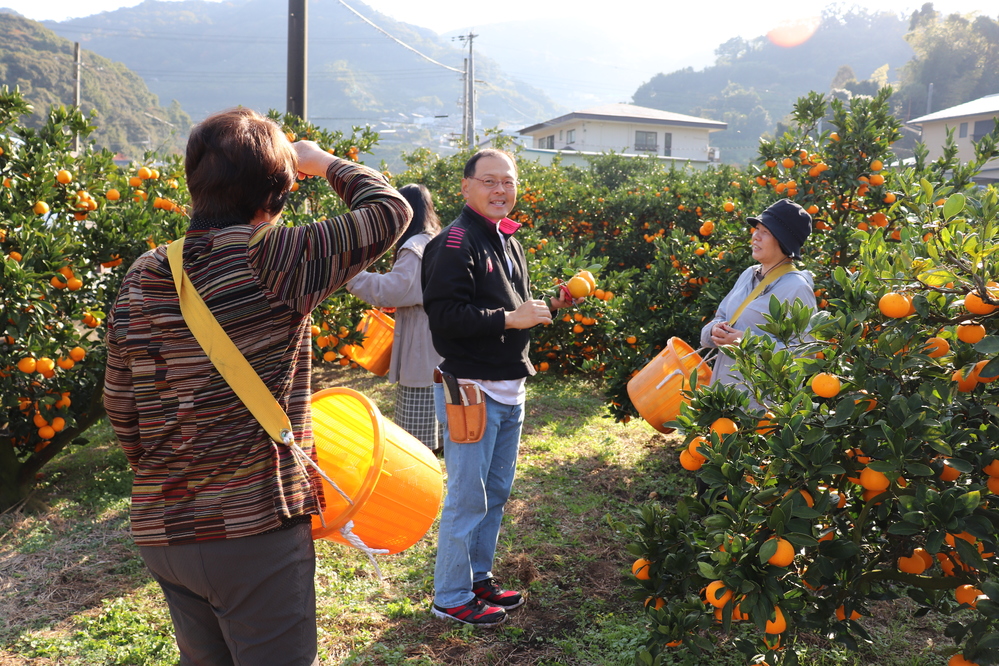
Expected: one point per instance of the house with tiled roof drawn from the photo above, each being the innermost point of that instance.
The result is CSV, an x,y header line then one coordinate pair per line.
x,y
626,129
970,122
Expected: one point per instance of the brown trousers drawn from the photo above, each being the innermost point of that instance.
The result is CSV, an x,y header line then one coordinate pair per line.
x,y
241,602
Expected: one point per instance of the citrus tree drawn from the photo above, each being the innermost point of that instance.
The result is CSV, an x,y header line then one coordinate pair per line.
x,y
870,474
70,225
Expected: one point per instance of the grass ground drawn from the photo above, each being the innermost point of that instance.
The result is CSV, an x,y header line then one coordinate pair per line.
x,y
73,590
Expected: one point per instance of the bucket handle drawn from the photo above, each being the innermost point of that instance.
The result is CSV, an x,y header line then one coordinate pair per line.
x,y
667,378
707,357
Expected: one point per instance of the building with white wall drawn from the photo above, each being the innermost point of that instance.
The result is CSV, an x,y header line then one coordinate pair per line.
x,y
970,122
625,129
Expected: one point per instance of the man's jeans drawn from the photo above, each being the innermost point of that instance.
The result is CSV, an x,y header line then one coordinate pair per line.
x,y
479,479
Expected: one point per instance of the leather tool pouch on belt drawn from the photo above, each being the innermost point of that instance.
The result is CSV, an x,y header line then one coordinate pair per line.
x,y
466,410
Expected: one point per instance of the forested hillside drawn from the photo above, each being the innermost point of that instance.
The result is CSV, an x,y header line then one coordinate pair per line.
x,y
959,55
753,84
213,55
129,117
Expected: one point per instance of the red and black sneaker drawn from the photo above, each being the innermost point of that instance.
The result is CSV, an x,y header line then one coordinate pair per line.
x,y
488,590
476,612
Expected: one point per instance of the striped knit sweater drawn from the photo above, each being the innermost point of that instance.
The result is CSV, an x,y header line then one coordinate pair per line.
x,y
204,467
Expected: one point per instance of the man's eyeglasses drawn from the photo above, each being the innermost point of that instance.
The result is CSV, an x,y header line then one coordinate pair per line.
x,y
492,182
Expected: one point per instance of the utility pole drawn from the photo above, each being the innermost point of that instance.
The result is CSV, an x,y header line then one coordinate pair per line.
x,y
78,65
468,117
298,36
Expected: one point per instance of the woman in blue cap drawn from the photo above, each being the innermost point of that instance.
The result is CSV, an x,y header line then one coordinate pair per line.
x,y
778,234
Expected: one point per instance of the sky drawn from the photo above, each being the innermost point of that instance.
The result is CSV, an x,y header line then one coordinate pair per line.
x,y
680,21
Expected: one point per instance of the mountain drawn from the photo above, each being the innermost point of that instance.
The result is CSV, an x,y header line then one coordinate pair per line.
x,y
214,55
577,64
754,84
129,117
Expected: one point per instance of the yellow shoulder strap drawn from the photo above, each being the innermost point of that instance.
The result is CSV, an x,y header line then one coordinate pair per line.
x,y
224,354
770,277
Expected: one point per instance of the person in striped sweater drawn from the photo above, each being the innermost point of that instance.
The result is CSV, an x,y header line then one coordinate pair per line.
x,y
220,512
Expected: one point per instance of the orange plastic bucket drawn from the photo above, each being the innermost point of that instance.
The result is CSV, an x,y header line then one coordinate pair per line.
x,y
657,390
394,481
375,351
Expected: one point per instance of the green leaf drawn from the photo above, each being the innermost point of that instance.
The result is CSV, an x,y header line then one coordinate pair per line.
x,y
804,511
988,345
882,466
970,501
706,570
989,609
937,277
767,550
777,521
927,188
839,549
904,529
954,205
919,469
801,540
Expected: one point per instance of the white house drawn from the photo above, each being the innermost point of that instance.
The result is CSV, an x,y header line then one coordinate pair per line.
x,y
970,122
626,129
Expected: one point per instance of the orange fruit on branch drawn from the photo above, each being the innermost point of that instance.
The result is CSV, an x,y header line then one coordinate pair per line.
x,y
641,568
782,557
841,614
967,594
724,426
935,347
965,382
717,594
974,304
777,625
872,479
689,462
895,305
976,372
692,449
913,564
970,333
826,385
948,473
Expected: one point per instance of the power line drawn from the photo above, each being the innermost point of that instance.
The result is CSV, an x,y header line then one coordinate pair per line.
x,y
399,41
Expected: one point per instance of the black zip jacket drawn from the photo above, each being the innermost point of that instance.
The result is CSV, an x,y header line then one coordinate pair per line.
x,y
467,291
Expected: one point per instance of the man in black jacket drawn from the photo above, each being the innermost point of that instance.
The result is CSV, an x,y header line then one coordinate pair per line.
x,y
476,293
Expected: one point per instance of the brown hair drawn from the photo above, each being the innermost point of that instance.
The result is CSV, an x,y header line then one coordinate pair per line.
x,y
238,163
487,152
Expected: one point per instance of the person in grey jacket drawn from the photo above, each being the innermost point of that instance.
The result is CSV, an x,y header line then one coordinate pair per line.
x,y
778,234
413,355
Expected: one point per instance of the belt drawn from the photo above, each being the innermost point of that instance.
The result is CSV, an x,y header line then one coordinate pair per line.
x,y
438,379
